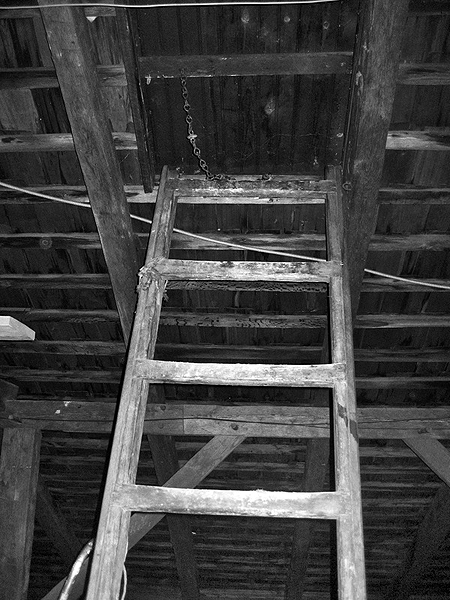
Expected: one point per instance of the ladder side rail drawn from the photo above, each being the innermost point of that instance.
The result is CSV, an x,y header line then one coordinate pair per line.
x,y
350,546
111,541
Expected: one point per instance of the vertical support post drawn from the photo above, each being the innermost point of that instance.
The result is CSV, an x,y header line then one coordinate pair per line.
x,y
350,546
112,538
19,468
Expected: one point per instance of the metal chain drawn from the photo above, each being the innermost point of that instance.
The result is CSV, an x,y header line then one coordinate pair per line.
x,y
192,137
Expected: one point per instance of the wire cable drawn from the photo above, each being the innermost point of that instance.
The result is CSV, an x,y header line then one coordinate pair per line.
x,y
228,244
165,4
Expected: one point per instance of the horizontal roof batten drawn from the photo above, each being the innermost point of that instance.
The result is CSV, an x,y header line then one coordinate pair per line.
x,y
436,138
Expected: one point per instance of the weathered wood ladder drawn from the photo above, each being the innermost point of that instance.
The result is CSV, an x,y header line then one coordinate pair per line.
x,y
122,495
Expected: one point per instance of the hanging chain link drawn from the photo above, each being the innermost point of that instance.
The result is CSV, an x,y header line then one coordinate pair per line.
x,y
192,137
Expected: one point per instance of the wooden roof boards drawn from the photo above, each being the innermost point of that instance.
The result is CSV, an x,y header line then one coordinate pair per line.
x,y
250,118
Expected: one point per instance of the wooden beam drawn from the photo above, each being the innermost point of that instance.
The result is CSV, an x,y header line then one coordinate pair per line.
x,y
102,281
239,65
44,78
400,194
59,142
436,138
205,419
207,66
376,58
432,138
55,525
19,467
69,42
129,44
12,329
430,536
433,454
190,475
294,242
292,354
424,74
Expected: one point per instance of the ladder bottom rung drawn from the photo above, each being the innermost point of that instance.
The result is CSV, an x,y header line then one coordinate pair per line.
x,y
259,503
321,375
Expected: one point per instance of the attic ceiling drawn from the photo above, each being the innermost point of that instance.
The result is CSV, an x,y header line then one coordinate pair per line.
x,y
271,92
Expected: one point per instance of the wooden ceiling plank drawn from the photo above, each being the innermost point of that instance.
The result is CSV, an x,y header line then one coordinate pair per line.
x,y
190,475
55,525
19,469
69,43
431,534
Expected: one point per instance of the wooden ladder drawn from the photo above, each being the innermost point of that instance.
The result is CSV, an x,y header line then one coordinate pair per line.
x,y
122,495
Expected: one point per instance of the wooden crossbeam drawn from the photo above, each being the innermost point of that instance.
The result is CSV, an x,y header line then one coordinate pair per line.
x,y
210,419
293,242
55,525
212,66
102,281
292,354
239,65
430,536
190,475
435,138
404,194
209,319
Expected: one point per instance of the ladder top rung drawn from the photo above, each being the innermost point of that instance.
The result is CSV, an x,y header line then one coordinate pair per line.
x,y
257,503
159,371
173,269
277,186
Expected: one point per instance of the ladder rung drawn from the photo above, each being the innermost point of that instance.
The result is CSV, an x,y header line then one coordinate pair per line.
x,y
258,503
276,187
172,269
160,371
